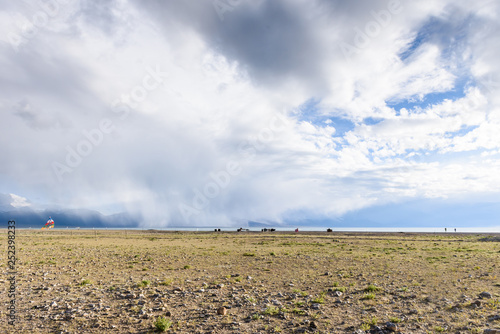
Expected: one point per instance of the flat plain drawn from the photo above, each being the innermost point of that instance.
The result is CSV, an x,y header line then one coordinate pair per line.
x,y
120,281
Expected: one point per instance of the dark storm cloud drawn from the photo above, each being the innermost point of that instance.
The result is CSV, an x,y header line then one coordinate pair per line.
x,y
272,40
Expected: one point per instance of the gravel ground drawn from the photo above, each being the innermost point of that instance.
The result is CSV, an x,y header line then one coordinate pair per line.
x,y
257,282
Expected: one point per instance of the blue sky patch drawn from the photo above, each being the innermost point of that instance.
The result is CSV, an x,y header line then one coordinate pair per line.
x,y
428,100
309,112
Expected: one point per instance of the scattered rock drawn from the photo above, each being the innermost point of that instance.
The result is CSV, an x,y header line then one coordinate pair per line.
x,y
316,306
222,310
494,317
485,295
390,326
491,331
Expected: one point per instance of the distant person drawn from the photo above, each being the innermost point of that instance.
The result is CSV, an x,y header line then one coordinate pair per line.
x,y
297,229
455,230
445,229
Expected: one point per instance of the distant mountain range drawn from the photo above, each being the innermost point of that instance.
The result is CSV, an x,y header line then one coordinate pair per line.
x,y
26,217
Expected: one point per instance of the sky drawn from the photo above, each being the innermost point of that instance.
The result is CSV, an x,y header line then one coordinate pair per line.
x,y
218,112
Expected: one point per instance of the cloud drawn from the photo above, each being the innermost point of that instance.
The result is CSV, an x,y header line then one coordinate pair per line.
x,y
141,107
19,201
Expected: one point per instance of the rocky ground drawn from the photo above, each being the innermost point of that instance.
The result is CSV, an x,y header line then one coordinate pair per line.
x,y
246,282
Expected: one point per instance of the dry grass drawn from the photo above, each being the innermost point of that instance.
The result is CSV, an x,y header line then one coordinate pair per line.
x,y
122,282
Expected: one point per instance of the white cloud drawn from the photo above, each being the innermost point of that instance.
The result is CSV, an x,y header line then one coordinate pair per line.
x,y
19,201
223,83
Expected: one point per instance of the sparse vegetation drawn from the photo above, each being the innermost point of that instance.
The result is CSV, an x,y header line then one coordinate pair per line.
x,y
377,275
162,324
271,310
368,296
85,282
143,283
395,320
372,288
167,281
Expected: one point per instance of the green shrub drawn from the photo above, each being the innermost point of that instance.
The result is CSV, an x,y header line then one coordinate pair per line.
x,y
372,288
271,310
85,282
319,300
143,283
162,324
368,296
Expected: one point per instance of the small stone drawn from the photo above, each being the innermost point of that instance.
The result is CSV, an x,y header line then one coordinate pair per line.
x,y
485,294
220,286
494,317
53,304
476,303
222,310
392,327
315,306
312,324
491,331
